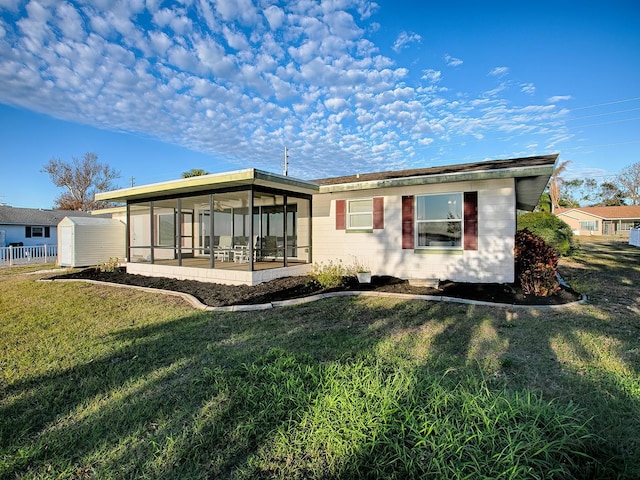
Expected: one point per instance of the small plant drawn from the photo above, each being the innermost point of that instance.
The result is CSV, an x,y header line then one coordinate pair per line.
x,y
536,265
110,265
360,266
330,274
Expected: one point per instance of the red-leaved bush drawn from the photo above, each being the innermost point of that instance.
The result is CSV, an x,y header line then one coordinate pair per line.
x,y
536,265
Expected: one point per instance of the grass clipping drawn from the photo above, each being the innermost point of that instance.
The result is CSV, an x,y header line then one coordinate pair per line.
x,y
377,420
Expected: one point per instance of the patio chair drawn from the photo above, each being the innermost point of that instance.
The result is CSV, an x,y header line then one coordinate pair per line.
x,y
223,251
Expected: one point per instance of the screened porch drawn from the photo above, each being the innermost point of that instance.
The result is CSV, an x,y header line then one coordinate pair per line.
x,y
244,227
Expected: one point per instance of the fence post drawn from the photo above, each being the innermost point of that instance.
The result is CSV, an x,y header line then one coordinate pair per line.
x,y
45,253
10,256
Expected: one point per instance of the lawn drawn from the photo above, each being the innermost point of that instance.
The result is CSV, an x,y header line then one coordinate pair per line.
x,y
102,382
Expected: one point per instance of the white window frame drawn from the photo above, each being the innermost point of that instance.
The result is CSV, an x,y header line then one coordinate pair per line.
x,y
417,221
626,225
589,225
349,214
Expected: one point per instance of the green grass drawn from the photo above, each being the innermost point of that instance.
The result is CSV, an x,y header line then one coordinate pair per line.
x,y
99,382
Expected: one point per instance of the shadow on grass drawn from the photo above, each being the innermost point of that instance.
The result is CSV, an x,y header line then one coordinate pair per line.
x,y
232,394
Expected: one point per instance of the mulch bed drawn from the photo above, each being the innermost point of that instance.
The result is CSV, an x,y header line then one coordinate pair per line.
x,y
217,295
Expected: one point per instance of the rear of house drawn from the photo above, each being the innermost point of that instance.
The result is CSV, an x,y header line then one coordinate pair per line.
x,y
456,222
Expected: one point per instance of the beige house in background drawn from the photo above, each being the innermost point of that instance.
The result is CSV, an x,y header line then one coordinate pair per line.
x,y
600,220
249,226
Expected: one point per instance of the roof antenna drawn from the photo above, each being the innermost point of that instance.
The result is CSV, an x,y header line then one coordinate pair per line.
x,y
285,164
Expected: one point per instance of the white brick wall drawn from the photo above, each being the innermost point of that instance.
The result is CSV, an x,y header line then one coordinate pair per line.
x,y
382,249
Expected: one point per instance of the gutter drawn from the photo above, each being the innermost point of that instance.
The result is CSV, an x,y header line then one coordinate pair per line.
x,y
517,172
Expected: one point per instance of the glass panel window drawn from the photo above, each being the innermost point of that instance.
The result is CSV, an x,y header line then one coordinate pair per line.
x,y
166,230
626,226
37,231
439,221
590,225
360,214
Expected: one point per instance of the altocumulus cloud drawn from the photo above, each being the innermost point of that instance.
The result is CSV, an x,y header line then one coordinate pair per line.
x,y
238,79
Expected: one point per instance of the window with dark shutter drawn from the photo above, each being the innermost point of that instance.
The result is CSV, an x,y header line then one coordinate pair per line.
x,y
407,222
341,220
471,220
378,213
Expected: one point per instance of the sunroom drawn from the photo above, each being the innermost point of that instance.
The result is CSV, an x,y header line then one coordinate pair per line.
x,y
242,227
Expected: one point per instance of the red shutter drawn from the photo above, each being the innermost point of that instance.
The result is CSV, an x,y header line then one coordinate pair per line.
x,y
471,220
407,222
378,213
341,219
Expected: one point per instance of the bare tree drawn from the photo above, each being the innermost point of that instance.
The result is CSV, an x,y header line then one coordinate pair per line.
x,y
555,184
194,172
629,183
82,179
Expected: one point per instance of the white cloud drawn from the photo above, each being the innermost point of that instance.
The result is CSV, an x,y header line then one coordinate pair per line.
x,y
275,16
342,25
70,23
499,71
215,76
559,98
235,40
160,42
431,75
452,61
10,4
404,39
528,88
241,10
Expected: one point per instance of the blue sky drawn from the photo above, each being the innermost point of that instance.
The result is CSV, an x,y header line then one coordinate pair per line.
x,y
157,88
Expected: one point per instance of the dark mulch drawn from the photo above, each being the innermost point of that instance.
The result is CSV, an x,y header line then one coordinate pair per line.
x,y
217,295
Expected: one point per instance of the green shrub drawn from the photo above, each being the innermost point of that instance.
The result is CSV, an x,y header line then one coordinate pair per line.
x,y
331,274
553,230
536,265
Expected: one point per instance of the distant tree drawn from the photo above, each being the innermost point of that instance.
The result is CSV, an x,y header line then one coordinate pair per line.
x,y
571,193
82,178
555,184
610,195
194,172
629,183
580,192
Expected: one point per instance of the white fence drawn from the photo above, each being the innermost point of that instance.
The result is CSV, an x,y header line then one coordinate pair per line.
x,y
28,255
634,237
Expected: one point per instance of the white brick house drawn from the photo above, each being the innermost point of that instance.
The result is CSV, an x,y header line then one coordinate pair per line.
x,y
456,222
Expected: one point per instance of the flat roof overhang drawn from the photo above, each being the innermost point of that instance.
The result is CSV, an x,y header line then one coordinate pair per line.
x,y
208,183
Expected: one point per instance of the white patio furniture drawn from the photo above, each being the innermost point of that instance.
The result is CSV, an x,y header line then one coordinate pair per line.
x,y
223,252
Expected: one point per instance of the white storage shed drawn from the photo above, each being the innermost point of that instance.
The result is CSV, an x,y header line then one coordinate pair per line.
x,y
86,241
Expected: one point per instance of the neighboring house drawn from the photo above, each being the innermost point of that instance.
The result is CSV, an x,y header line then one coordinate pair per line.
x,y
456,222
31,226
600,220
